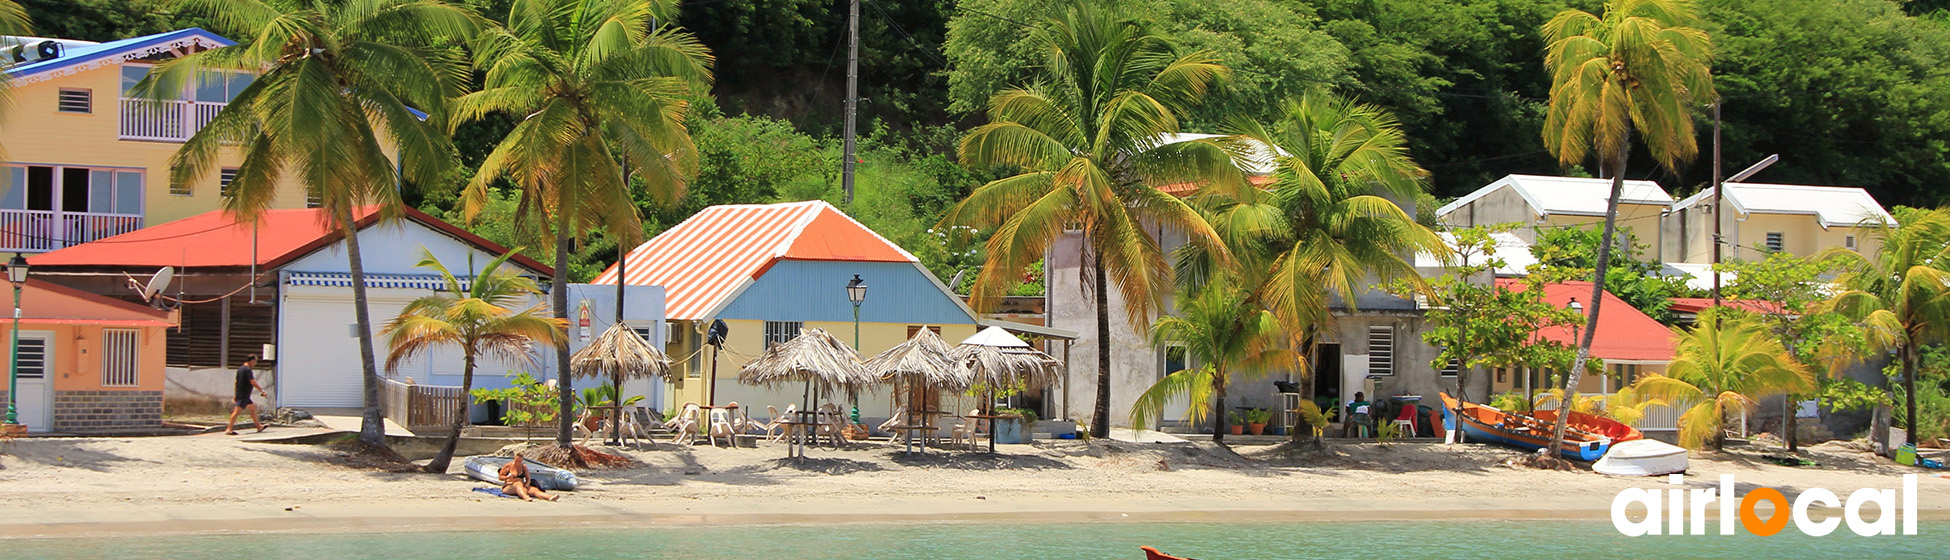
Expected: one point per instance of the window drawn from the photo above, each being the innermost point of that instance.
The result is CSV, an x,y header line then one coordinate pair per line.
x,y
915,329
1849,242
1773,242
645,334
779,332
119,351
225,177
1175,359
74,189
70,100
1502,375
1450,369
314,197
33,357
1381,350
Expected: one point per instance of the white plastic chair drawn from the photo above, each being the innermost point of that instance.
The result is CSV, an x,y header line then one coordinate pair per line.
x,y
684,429
774,428
721,426
887,427
966,429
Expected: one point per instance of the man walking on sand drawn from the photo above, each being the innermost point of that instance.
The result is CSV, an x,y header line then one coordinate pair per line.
x,y
245,383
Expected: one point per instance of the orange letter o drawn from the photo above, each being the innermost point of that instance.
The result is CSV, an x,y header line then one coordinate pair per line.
x,y
1773,524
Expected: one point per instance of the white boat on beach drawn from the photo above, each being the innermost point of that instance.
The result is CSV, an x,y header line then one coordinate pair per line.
x,y
1641,457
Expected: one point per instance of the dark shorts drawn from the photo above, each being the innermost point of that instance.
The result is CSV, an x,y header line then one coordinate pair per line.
x,y
244,401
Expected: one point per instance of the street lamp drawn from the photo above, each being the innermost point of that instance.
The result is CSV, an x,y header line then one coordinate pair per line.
x,y
856,292
1577,327
17,274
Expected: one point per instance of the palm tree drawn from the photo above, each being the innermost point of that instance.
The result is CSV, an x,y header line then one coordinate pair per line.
x,y
1087,137
1902,294
479,318
592,80
1723,364
1223,331
338,89
1326,227
1642,67
13,19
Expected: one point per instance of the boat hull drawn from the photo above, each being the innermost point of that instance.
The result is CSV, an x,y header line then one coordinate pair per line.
x,y
1642,458
1474,427
488,469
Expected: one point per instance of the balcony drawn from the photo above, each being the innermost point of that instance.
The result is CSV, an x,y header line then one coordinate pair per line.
x,y
36,231
165,121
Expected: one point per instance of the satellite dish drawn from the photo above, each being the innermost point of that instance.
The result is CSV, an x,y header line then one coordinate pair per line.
x,y
157,283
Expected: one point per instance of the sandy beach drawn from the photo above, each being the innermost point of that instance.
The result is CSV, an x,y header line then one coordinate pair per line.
x,y
218,484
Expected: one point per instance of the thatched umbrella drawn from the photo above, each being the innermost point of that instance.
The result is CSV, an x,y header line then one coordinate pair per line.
x,y
995,358
623,355
922,363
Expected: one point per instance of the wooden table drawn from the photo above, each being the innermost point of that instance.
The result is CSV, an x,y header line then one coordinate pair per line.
x,y
796,433
971,432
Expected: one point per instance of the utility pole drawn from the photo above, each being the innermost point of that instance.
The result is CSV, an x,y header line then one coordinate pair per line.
x,y
852,96
1719,195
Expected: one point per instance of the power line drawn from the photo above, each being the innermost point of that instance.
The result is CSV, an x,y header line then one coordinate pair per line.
x,y
882,14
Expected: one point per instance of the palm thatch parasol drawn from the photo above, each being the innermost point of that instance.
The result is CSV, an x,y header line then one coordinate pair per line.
x,y
996,358
814,357
922,363
624,355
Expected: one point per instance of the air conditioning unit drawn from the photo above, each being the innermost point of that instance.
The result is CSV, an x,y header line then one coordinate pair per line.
x,y
34,52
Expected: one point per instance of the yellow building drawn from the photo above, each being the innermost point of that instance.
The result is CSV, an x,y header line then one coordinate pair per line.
x,y
84,160
1533,201
769,272
1801,220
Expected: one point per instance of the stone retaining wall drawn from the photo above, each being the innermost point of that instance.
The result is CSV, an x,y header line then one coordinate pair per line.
x,y
107,411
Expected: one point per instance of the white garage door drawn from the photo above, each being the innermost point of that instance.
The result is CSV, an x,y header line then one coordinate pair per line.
x,y
318,356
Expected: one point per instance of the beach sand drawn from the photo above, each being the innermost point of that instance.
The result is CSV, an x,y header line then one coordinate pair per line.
x,y
216,484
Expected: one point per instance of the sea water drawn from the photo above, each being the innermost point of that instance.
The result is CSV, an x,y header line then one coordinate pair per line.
x,y
1405,540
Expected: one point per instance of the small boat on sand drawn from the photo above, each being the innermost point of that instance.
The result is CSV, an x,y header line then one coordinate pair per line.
x,y
1642,457
1586,437
488,469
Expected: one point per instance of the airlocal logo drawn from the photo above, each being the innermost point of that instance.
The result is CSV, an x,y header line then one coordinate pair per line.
x,y
1681,507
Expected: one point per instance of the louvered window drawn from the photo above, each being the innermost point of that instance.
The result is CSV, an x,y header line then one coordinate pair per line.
x,y
780,332
225,177
33,358
1451,368
75,101
119,351
1381,350
1773,242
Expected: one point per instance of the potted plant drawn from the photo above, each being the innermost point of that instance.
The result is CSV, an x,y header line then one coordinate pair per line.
x,y
1256,420
1237,424
1013,426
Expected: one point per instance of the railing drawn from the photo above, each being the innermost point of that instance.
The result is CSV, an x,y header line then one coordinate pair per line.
x,y
47,230
165,121
421,407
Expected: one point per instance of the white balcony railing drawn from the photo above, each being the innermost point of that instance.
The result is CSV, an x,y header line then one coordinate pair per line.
x,y
165,121
47,230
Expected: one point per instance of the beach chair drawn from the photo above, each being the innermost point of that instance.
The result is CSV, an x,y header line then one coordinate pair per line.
x,y
721,426
685,428
1405,422
887,427
774,428
966,429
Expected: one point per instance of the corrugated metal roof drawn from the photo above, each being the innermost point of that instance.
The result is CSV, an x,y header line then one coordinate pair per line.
x,y
1565,195
1833,206
82,55
709,258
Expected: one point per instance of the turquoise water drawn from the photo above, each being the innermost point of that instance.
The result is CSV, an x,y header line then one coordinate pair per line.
x,y
1422,540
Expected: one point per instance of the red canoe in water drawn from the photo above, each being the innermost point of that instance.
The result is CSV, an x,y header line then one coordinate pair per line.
x,y
1153,554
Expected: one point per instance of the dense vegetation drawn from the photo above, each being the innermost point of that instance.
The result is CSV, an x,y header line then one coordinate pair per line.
x,y
1850,92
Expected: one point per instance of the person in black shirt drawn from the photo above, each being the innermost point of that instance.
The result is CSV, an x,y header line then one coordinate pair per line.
x,y
245,384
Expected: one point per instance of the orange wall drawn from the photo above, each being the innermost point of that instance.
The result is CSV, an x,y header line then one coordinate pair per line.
x,y
76,364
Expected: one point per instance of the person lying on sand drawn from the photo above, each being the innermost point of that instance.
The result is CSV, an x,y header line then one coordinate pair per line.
x,y
515,481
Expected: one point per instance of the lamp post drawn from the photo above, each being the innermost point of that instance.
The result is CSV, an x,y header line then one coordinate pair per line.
x,y
856,292
17,274
1576,330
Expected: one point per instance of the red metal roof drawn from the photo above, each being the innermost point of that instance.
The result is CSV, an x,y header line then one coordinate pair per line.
x,y
215,240
709,257
1624,333
45,303
1698,304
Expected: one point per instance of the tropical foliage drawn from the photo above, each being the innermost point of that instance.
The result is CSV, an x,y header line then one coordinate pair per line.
x,y
1642,67
1477,323
1901,294
1230,339
1089,137
602,95
337,92
1793,289
1724,365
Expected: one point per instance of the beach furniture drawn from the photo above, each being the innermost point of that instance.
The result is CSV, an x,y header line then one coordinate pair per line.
x,y
721,426
1405,421
965,430
685,428
772,428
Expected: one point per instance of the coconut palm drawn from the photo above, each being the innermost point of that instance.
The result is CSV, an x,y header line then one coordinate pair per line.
x,y
592,81
341,85
479,318
13,19
1724,364
1228,336
1641,67
1902,294
1088,137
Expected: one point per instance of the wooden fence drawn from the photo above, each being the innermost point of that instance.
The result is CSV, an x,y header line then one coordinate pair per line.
x,y
421,407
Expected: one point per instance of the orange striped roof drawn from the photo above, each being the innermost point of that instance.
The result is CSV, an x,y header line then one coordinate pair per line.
x,y
708,258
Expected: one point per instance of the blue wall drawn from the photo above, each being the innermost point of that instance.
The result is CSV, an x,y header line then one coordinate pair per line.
x,y
816,291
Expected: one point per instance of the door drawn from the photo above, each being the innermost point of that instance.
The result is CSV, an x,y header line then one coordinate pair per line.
x,y
36,399
1178,410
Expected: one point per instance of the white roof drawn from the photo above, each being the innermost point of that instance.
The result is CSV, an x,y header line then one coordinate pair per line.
x,y
1833,206
1566,195
1512,249
1260,164
1699,276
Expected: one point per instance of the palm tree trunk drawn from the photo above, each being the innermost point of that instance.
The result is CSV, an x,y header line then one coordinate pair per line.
x,y
1100,422
372,424
559,293
1219,414
1787,406
1296,433
1597,298
1909,391
446,455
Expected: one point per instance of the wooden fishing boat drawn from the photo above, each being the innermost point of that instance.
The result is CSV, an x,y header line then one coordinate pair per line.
x,y
1153,554
1586,437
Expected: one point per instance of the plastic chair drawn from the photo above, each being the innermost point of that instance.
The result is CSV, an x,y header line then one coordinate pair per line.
x,y
774,428
1405,422
966,430
721,425
685,427
887,427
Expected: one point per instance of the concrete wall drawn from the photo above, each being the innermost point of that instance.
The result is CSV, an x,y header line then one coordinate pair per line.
x,y
1746,235
1505,206
73,381
205,388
